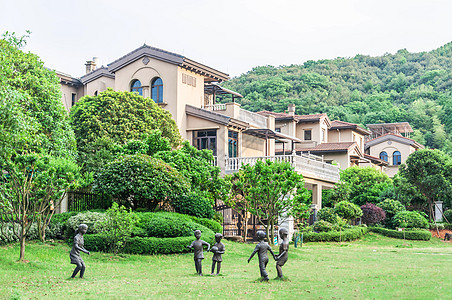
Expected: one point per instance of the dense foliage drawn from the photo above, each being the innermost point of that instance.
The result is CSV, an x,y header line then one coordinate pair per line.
x,y
116,118
140,181
347,210
391,207
372,214
349,234
409,219
400,87
328,214
421,235
365,184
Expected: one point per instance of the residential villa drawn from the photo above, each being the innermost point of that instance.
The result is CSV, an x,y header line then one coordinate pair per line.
x,y
314,145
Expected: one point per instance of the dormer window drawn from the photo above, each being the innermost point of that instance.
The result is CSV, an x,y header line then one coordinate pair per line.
x,y
157,90
307,135
136,87
384,156
396,158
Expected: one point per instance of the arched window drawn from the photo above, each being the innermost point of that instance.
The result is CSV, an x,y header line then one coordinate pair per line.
x,y
157,90
384,156
396,158
136,87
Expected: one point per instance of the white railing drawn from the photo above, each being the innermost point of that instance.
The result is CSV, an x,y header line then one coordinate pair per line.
x,y
306,164
215,107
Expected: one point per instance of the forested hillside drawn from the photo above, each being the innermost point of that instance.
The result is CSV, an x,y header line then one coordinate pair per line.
x,y
412,87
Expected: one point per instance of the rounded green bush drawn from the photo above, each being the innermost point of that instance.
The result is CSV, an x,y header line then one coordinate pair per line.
x,y
164,226
409,219
348,210
391,207
88,218
323,226
328,214
195,204
448,215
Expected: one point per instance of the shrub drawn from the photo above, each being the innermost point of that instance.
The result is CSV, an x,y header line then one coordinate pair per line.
x,y
211,224
335,236
372,214
448,215
88,218
195,204
391,207
409,219
164,226
117,226
150,245
347,210
328,214
435,226
422,235
323,226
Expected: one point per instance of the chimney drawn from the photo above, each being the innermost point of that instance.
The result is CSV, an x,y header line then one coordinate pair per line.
x,y
291,109
91,64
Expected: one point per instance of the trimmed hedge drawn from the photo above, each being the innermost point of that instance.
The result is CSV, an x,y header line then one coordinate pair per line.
x,y
211,224
421,235
335,236
151,245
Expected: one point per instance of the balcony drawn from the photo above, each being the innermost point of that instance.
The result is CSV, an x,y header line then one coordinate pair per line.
x,y
306,164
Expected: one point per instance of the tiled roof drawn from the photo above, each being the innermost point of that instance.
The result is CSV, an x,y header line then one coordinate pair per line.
x,y
375,159
396,137
346,125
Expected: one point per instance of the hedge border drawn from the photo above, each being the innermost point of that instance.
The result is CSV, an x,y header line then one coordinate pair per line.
x,y
335,236
419,235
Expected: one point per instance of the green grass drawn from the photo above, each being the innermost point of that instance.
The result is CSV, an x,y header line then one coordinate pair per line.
x,y
374,267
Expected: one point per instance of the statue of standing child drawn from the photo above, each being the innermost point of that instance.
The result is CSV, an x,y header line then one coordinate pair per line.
x,y
261,248
283,251
78,246
198,251
217,249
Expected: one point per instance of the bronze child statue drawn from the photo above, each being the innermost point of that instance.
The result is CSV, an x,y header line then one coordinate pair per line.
x,y
283,251
217,250
78,246
198,254
261,248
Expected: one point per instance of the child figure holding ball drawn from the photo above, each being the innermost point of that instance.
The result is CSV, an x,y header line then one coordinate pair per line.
x,y
217,250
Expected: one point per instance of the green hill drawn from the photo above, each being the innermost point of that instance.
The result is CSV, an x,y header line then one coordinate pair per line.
x,y
412,87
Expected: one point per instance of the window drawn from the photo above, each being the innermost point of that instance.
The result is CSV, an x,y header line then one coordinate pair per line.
x,y
95,93
233,140
136,87
307,135
384,156
396,158
278,130
323,137
157,90
73,99
206,139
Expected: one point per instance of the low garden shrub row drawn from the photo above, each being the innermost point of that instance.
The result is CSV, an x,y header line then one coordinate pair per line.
x,y
335,236
150,245
422,235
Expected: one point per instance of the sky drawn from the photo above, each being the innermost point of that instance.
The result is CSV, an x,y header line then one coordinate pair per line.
x,y
231,36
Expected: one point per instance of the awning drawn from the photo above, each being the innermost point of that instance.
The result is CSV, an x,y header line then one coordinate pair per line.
x,y
270,134
216,89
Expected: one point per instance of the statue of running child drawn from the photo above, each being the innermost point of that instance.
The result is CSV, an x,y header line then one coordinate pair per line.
x,y
283,251
198,251
78,246
262,247
217,250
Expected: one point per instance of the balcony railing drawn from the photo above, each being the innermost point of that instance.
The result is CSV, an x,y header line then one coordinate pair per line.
x,y
215,107
306,164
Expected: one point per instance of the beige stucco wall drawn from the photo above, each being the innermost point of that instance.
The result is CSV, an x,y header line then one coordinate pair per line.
x,y
390,146
252,146
66,95
346,135
342,159
99,85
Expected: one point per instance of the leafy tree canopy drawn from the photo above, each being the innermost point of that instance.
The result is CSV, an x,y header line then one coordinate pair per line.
x,y
118,117
32,93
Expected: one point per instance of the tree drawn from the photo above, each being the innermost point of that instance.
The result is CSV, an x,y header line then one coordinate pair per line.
x,y
37,144
273,191
31,186
430,171
347,210
140,181
120,117
372,214
23,75
365,184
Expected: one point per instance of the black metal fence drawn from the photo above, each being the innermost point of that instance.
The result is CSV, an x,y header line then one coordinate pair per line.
x,y
80,201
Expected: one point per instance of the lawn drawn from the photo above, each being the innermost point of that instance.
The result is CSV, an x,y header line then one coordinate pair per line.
x,y
375,267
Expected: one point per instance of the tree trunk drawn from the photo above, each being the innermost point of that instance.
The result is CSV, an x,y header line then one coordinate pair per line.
x,y
245,224
272,233
22,243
